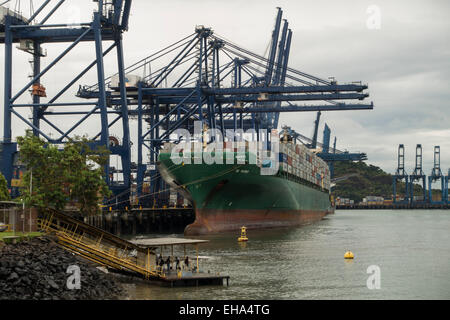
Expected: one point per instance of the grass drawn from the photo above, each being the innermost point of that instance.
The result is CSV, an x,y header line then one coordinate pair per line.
x,y
19,234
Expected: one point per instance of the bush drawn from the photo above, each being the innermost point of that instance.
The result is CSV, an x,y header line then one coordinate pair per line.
x,y
4,192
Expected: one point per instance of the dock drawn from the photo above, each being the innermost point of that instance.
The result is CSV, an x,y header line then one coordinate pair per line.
x,y
200,279
142,220
190,277
398,206
138,258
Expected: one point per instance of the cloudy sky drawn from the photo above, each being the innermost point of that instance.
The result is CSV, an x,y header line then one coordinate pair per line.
x,y
401,49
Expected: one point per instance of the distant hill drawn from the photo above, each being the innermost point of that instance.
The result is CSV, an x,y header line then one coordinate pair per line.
x,y
370,181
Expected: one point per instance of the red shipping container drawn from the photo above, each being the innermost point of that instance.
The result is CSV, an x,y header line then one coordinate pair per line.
x,y
228,145
290,161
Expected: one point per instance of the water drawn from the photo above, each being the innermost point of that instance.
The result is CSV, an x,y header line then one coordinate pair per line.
x,y
412,249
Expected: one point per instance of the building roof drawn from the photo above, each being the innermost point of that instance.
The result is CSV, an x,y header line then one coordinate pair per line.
x,y
9,204
158,242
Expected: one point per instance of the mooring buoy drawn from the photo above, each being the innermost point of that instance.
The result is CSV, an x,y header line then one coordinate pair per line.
x,y
243,236
349,255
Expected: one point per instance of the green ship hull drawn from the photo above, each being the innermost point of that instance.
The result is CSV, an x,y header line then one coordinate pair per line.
x,y
229,196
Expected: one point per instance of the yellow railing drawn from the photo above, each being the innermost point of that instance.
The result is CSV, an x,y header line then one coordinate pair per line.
x,y
93,246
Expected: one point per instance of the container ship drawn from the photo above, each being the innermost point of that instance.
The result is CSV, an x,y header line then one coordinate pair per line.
x,y
229,196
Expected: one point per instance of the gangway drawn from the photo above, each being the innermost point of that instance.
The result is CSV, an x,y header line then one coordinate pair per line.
x,y
99,246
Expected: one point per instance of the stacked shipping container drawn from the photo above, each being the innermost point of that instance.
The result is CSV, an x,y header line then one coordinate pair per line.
x,y
298,160
294,159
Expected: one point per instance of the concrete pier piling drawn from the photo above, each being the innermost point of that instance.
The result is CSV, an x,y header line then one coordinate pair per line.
x,y
144,221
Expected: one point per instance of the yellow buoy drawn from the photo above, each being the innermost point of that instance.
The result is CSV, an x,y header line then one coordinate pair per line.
x,y
243,236
349,255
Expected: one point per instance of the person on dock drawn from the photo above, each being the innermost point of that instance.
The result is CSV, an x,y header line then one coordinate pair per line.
x,y
186,262
177,263
161,263
168,263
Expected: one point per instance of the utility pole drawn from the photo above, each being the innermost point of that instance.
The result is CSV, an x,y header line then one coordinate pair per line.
x,y
31,190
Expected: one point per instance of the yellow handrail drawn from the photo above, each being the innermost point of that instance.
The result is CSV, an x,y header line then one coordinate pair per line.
x,y
98,250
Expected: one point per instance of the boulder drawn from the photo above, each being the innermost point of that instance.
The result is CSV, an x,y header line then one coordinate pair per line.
x,y
36,269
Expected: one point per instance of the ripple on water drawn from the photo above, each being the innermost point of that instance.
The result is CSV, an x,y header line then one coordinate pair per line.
x,y
412,249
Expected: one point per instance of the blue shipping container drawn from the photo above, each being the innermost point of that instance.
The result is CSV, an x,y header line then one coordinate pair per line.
x,y
283,158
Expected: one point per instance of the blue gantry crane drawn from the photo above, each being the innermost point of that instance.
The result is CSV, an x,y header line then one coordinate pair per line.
x,y
436,175
325,152
446,187
313,144
109,22
400,175
224,86
330,156
419,176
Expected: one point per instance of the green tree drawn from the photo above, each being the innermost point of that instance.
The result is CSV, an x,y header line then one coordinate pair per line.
x,y
56,177
371,180
4,192
85,174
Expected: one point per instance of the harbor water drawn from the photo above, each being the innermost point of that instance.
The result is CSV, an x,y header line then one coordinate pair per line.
x,y
409,248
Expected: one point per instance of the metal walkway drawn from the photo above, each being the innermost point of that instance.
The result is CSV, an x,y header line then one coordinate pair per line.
x,y
101,247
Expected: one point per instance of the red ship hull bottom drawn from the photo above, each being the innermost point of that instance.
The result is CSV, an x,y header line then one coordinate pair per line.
x,y
214,221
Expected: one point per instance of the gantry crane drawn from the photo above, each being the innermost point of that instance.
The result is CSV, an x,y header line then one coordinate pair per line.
x,y
316,131
446,187
335,155
213,81
417,175
400,175
108,24
436,174
324,151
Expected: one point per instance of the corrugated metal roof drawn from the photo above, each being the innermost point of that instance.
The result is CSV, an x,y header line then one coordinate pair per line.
x,y
157,242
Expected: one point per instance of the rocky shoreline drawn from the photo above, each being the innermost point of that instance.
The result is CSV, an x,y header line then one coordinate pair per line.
x,y
38,270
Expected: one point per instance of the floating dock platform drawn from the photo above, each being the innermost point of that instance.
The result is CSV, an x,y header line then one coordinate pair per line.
x,y
200,279
173,278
